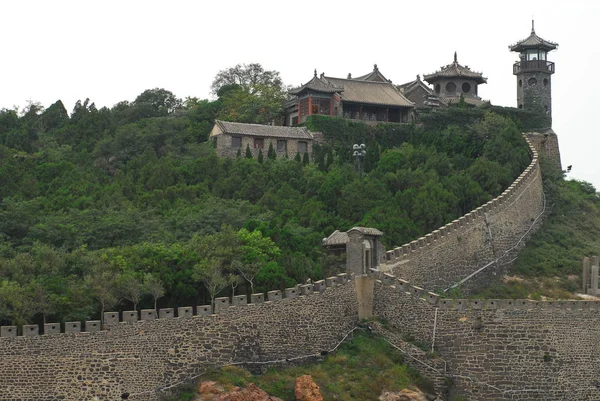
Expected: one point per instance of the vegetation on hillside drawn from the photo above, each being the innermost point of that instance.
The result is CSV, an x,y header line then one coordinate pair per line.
x,y
550,265
130,206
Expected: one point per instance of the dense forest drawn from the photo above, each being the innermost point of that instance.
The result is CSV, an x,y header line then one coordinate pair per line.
x,y
129,206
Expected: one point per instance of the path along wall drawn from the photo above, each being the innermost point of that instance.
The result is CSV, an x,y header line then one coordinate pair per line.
x,y
485,237
501,349
143,357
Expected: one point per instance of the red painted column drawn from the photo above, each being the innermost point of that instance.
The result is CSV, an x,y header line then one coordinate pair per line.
x,y
309,105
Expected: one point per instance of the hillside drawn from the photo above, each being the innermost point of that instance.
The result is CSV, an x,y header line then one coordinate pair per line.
x,y
550,264
134,199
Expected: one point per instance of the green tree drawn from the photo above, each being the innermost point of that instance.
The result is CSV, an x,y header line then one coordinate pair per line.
x,y
153,286
271,154
130,287
248,152
260,156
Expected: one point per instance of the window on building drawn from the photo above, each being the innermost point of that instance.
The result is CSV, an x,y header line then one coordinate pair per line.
x,y
259,143
281,145
450,87
302,147
295,120
466,87
236,141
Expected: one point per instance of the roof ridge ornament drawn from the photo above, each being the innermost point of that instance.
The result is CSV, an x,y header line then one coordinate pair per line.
x,y
375,67
315,72
532,26
455,58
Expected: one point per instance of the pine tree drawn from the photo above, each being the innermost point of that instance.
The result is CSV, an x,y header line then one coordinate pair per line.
x,y
298,158
260,157
239,153
271,153
305,159
248,152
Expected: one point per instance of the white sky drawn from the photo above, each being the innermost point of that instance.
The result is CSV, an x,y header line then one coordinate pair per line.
x,y
113,50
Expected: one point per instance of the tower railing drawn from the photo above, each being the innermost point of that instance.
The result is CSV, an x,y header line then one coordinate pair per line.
x,y
533,65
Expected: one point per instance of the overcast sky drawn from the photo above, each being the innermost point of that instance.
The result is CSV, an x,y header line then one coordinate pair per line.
x,y
110,51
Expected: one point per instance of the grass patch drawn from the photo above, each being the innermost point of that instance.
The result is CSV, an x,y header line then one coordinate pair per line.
x,y
361,369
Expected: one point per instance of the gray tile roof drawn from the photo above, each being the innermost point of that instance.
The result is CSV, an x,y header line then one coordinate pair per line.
x,y
370,92
455,70
374,75
341,238
533,42
318,85
412,85
271,131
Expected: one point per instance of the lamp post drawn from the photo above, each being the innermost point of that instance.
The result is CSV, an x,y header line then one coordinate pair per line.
x,y
360,151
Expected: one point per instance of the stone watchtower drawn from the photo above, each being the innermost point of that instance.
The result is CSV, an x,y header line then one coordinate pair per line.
x,y
534,72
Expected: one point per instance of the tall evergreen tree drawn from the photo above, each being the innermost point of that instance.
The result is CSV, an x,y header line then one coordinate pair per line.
x,y
305,159
248,152
260,157
271,153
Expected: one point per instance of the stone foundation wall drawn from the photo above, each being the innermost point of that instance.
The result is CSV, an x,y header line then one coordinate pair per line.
x,y
489,233
546,144
502,349
145,356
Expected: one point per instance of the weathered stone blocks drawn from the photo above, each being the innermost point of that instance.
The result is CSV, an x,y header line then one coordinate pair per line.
x,y
148,314
166,313
204,310
292,292
257,298
111,317
92,326
185,311
274,295
8,331
31,330
130,316
72,327
51,328
221,304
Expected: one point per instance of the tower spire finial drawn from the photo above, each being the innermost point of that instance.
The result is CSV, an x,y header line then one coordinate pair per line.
x,y
315,72
532,26
455,58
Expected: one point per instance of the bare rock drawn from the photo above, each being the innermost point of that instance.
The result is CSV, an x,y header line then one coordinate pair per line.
x,y
250,393
209,390
403,395
307,389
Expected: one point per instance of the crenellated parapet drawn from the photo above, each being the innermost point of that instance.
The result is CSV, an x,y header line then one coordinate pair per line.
x,y
485,235
222,305
432,299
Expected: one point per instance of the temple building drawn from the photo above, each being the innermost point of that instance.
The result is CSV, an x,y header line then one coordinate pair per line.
x,y
369,98
420,94
454,81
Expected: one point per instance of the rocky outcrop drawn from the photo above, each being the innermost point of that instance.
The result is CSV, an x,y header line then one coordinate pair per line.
x,y
211,391
307,389
403,395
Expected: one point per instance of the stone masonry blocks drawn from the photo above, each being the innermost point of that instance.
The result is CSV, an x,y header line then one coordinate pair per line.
x,y
148,314
221,304
330,281
240,300
111,317
130,316
307,289
185,311
274,295
92,326
166,313
320,286
51,328
31,330
8,331
72,327
292,292
257,298
204,310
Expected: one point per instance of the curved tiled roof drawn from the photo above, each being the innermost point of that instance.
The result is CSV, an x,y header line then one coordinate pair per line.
x,y
318,85
370,92
263,130
340,238
533,41
455,70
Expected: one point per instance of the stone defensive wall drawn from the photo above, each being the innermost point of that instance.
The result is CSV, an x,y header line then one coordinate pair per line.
x,y
143,355
479,244
500,349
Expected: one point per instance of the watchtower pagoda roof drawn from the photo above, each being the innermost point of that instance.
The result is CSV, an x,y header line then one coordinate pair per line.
x,y
533,41
454,70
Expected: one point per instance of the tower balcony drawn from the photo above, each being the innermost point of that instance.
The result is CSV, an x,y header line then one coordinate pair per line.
x,y
533,66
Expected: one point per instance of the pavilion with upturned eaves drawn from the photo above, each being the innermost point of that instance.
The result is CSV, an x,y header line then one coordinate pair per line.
x,y
454,82
369,98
